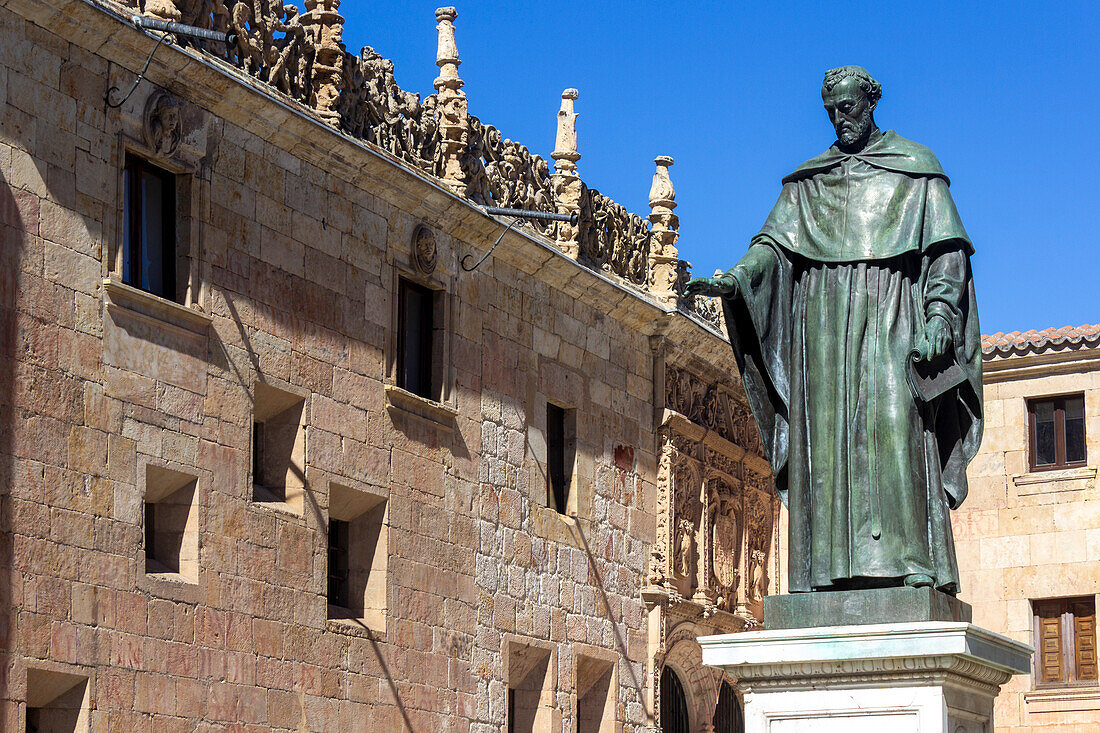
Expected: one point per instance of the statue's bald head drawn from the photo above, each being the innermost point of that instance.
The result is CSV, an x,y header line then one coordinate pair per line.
x,y
867,83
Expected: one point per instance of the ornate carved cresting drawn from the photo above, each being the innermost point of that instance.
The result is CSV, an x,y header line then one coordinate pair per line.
x,y
500,172
613,239
302,55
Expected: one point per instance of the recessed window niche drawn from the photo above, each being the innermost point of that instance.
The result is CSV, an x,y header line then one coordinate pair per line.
x,y
357,556
171,523
278,448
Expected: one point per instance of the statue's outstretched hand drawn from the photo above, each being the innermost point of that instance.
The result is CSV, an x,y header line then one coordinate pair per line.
x,y
711,286
933,342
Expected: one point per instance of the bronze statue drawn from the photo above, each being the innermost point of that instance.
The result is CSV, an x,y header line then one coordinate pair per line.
x,y
853,321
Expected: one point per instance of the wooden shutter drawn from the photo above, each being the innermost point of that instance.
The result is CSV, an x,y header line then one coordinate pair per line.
x,y
1084,639
1049,618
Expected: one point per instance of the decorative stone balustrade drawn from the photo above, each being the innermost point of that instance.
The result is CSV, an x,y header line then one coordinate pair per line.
x,y
302,55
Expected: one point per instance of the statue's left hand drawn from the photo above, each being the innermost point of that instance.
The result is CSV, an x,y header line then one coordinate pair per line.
x,y
933,343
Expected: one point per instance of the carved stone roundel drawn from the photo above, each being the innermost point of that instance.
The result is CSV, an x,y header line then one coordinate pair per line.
x,y
163,124
423,245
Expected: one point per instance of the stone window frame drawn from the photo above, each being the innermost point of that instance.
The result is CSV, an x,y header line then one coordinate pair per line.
x,y
513,650
569,458
289,505
182,587
1067,638
597,655
188,309
352,502
439,413
1059,433
61,679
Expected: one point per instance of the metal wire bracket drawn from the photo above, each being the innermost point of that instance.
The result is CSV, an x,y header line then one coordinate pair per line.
x,y
170,30
521,217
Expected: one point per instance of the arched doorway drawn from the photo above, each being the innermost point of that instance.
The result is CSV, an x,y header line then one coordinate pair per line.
x,y
674,708
728,717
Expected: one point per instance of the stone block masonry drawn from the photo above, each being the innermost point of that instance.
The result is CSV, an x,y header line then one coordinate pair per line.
x,y
225,506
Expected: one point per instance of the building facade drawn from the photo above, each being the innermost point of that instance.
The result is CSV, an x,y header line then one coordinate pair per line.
x,y
1028,536
287,444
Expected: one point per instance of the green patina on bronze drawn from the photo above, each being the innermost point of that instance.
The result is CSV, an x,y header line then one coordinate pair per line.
x,y
862,607
862,262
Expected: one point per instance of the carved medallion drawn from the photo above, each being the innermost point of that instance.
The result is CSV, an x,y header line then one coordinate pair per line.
x,y
162,125
423,246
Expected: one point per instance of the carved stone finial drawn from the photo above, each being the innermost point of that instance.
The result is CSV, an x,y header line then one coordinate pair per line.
x,y
568,188
451,104
446,55
661,193
326,26
565,152
664,270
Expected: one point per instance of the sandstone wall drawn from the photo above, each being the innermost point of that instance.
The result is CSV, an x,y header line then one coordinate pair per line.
x,y
1028,536
296,238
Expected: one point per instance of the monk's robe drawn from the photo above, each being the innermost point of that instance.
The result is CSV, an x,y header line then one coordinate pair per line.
x,y
858,253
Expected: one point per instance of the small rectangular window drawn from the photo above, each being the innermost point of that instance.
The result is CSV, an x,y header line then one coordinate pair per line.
x,y
278,447
416,324
149,228
1065,636
171,523
57,702
560,455
1056,432
357,556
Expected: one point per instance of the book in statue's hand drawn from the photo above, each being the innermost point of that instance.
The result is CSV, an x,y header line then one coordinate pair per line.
x,y
930,379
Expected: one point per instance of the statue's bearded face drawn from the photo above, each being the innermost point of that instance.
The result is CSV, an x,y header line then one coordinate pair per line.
x,y
850,111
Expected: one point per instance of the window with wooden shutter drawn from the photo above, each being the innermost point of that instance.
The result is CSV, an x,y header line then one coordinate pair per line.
x,y
1065,635
1084,638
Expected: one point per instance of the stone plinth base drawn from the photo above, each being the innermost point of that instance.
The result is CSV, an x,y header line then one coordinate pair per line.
x,y
870,606
917,677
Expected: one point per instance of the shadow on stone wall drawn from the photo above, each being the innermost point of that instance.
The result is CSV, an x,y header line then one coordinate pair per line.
x,y
12,233
597,580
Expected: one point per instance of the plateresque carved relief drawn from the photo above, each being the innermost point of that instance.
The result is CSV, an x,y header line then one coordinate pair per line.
x,y
717,512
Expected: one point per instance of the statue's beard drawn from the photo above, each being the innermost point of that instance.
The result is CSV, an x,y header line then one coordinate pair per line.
x,y
848,135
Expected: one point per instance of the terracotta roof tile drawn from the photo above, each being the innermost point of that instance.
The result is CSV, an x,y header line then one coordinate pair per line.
x,y
1003,344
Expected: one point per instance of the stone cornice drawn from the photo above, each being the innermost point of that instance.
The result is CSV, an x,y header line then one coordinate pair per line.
x,y
1011,367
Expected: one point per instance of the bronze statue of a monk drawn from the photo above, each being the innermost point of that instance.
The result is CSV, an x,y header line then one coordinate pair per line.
x,y
856,287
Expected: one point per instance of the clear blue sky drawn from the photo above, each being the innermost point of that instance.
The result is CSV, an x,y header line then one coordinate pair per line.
x,y
1005,93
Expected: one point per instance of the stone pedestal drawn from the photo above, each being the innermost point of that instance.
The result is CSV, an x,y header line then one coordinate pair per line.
x,y
907,677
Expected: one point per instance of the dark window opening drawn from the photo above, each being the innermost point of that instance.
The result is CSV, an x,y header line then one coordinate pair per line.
x,y
674,710
416,323
1065,636
338,567
728,717
149,228
1056,432
258,453
560,454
